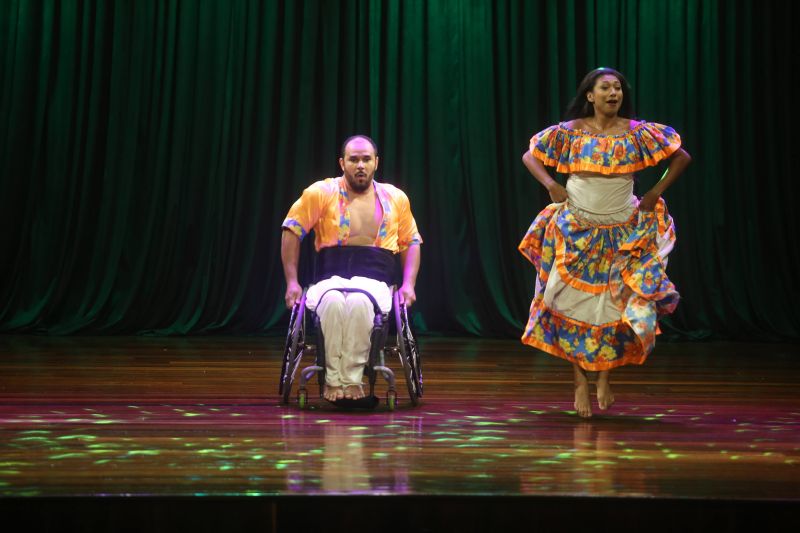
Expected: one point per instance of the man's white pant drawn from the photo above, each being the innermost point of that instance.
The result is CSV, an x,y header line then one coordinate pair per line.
x,y
347,321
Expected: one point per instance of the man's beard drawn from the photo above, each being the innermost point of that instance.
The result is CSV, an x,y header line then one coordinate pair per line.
x,y
358,187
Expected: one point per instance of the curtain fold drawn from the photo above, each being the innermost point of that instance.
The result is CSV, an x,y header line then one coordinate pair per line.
x,y
149,151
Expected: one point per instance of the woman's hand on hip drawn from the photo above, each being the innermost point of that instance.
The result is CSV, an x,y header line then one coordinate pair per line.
x,y
649,201
557,193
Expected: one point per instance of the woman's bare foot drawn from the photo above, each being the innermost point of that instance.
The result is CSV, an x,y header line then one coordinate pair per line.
x,y
605,398
353,392
333,393
583,404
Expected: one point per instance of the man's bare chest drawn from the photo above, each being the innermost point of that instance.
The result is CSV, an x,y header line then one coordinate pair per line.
x,y
366,216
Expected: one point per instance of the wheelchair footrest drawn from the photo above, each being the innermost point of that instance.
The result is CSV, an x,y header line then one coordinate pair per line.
x,y
367,402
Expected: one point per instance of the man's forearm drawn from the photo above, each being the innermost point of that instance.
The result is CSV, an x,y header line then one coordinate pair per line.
x,y
290,255
410,258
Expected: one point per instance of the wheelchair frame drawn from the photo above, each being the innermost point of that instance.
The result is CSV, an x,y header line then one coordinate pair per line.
x,y
405,348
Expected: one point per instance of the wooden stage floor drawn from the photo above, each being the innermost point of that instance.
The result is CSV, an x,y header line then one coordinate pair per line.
x,y
181,418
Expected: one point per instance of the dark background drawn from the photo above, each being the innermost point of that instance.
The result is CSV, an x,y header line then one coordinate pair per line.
x,y
149,151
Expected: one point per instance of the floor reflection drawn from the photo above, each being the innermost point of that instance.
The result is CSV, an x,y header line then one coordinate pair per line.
x,y
343,454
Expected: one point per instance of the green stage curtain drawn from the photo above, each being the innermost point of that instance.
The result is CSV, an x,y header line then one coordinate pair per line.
x,y
150,150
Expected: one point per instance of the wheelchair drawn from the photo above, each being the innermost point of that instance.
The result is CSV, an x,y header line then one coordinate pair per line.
x,y
298,344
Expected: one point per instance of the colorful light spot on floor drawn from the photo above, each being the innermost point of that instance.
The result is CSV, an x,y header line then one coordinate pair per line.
x,y
61,456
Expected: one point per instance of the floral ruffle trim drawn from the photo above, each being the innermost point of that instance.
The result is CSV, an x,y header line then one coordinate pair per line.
x,y
571,151
591,347
584,256
295,227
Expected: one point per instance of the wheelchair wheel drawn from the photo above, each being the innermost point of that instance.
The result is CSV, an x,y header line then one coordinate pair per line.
x,y
293,351
302,398
409,354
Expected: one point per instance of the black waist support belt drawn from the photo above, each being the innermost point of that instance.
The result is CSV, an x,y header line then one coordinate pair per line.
x,y
366,261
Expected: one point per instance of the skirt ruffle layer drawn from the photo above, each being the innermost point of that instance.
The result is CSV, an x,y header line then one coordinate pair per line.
x,y
600,288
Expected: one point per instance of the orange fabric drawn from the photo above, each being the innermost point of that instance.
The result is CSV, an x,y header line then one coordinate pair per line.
x,y
323,207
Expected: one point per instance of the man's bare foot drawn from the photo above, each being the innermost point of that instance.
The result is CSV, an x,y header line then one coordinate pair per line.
x,y
605,398
333,393
353,392
583,404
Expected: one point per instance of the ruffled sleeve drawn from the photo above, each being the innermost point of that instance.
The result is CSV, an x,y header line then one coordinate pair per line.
x,y
548,145
570,150
653,142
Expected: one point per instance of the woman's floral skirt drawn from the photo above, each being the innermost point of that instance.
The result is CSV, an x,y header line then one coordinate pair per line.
x,y
600,287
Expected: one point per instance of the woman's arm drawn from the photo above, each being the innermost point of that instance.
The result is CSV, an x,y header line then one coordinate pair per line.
x,y
557,192
677,165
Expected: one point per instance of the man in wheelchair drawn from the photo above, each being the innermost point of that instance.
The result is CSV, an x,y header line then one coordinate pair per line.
x,y
360,226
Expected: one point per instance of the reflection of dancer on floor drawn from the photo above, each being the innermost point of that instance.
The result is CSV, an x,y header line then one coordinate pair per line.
x,y
600,252
344,469
593,457
360,225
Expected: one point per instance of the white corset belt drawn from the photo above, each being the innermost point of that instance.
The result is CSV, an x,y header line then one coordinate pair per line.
x,y
601,200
